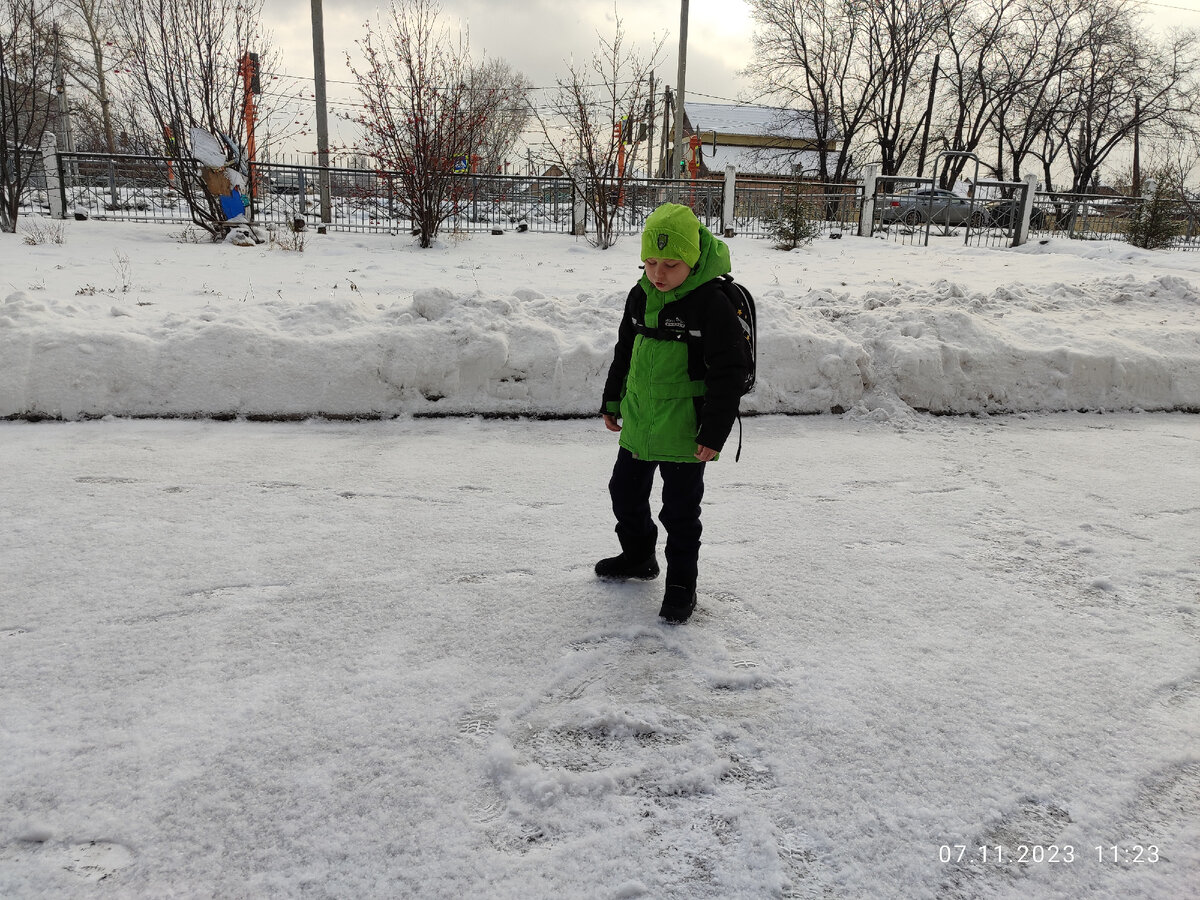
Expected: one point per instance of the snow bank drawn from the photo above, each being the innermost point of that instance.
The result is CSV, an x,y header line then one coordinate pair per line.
x,y
364,326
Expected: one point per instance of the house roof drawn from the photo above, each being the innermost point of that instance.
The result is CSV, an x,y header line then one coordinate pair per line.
x,y
747,119
758,161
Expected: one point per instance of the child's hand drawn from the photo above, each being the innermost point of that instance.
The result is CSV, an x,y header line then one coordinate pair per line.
x,y
705,454
611,423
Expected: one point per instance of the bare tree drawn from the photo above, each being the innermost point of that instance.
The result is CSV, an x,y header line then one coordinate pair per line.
x,y
506,93
1004,60
582,124
427,112
184,57
808,56
1051,36
1175,168
858,68
89,46
985,68
901,38
1126,83
26,99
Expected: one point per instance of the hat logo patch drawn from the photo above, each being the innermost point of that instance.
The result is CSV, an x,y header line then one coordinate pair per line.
x,y
662,242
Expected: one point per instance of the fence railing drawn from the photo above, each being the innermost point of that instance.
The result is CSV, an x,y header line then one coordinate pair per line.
x,y
142,188
374,200
917,211
831,208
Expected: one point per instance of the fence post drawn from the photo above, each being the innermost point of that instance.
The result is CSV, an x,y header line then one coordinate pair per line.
x,y
728,206
1021,235
579,214
866,217
112,183
54,185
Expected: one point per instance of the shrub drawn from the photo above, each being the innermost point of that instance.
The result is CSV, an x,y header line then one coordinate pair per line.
x,y
791,224
35,232
1153,226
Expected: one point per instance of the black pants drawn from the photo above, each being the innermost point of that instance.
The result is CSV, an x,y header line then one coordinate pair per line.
x,y
683,489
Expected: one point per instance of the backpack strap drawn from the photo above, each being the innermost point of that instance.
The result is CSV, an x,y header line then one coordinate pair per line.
x,y
664,334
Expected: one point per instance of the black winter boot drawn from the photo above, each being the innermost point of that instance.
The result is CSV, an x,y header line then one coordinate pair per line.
x,y
625,566
678,603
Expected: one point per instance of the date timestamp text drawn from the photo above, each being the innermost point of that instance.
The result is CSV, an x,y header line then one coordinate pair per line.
x,y
1024,854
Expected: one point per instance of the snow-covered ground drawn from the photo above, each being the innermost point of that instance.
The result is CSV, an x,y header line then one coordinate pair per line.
x,y
947,657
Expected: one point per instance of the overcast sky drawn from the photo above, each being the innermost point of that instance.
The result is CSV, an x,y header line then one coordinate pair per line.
x,y
539,37
535,37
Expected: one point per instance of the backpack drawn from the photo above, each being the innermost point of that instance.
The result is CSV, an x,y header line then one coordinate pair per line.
x,y
743,305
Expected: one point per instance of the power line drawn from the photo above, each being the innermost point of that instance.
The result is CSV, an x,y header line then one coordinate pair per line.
x,y
1166,6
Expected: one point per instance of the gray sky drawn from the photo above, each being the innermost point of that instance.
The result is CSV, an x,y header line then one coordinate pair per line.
x,y
540,37
535,37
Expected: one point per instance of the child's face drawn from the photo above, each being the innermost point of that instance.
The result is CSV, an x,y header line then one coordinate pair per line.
x,y
667,274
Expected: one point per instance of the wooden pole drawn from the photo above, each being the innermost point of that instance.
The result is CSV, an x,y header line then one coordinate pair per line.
x,y
318,27
928,117
248,115
677,156
650,130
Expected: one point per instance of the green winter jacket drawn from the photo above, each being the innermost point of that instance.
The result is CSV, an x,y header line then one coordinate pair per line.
x,y
674,394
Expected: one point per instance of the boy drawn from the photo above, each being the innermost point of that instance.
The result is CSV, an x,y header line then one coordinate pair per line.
x,y
672,391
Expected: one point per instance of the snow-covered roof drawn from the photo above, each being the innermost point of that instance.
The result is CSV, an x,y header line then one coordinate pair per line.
x,y
759,161
750,120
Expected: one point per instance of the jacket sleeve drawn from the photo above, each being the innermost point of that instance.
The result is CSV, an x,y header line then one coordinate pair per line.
x,y
726,367
614,385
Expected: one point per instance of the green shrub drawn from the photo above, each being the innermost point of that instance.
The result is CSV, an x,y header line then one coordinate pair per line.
x,y
1153,226
791,224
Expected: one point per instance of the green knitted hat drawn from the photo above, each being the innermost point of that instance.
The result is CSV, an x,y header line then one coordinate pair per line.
x,y
672,232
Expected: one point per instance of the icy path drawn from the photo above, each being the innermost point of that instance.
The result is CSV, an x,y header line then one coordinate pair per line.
x,y
369,660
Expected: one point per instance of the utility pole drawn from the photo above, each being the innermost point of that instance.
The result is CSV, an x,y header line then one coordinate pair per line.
x,y
251,85
60,79
928,117
1136,187
677,156
318,26
650,130
668,105
1000,151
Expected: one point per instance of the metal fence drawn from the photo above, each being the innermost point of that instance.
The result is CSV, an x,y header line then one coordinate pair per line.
x,y
906,211
132,188
639,197
372,200
917,211
1105,217
142,188
1187,226
914,210
32,164
831,208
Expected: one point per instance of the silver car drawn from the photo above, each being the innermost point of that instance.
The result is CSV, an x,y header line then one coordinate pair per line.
x,y
932,204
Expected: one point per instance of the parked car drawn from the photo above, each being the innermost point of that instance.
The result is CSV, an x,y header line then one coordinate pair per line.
x,y
1111,208
947,208
288,182
1003,214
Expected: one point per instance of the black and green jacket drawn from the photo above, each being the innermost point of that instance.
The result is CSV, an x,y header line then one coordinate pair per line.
x,y
674,394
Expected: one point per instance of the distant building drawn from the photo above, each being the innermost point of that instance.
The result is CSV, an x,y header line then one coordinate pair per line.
x,y
35,113
762,141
